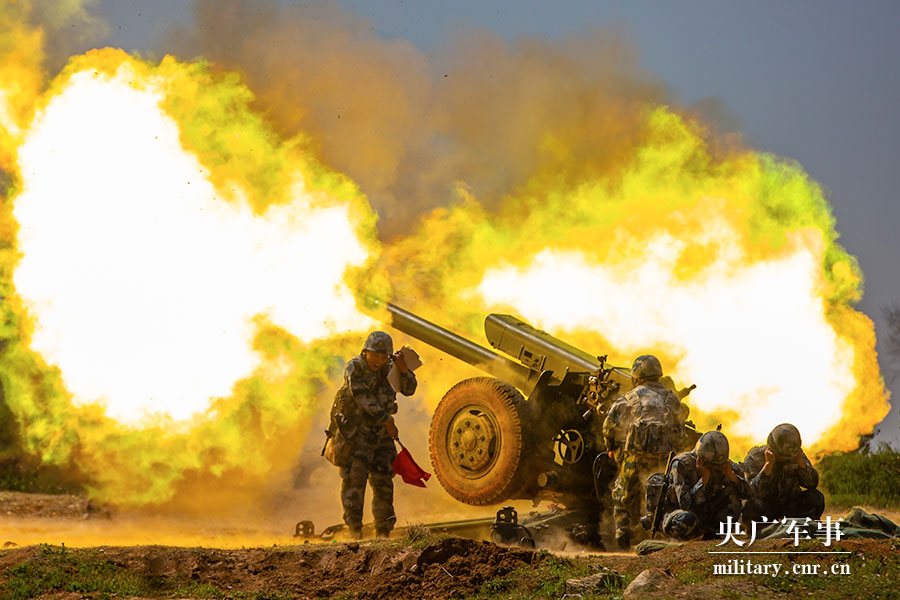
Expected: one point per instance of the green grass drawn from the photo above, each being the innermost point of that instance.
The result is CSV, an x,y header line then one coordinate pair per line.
x,y
857,478
57,569
546,578
871,576
418,536
691,574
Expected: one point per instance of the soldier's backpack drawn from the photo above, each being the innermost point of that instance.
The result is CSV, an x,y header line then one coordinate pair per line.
x,y
656,426
337,449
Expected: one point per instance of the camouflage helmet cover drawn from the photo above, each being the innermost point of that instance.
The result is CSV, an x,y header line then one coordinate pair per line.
x,y
379,341
646,366
784,441
712,447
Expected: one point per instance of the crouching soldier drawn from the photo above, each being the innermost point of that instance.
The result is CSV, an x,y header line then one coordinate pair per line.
x,y
363,432
778,473
705,488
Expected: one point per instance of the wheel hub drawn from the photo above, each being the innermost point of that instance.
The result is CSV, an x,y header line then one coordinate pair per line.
x,y
472,440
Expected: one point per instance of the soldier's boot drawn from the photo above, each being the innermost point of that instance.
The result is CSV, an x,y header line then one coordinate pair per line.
x,y
383,502
623,539
355,533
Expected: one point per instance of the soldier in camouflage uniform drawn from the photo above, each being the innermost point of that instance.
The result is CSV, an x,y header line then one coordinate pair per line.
x,y
640,430
362,411
778,472
705,488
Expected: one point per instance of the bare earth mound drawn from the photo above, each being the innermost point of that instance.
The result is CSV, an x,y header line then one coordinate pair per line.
x,y
439,568
430,568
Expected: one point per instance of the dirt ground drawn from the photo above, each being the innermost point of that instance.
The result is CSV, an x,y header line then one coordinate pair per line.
x,y
410,566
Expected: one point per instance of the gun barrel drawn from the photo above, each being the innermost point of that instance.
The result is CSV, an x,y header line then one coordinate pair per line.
x,y
458,346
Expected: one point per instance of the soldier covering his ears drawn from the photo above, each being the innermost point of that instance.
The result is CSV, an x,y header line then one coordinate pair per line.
x,y
705,488
778,473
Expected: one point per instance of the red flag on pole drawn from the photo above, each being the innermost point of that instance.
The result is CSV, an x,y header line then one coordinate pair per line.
x,y
406,467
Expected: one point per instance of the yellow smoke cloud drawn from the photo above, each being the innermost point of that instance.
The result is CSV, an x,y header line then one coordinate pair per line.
x,y
159,270
21,77
167,242
405,126
181,277
727,267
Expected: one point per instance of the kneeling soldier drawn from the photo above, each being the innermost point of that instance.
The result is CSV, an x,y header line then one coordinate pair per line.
x,y
778,472
705,488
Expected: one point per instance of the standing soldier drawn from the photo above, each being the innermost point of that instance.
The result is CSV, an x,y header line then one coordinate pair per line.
x,y
642,427
363,431
705,488
778,472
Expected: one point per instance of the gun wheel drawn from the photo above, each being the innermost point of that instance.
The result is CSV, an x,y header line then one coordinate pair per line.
x,y
476,440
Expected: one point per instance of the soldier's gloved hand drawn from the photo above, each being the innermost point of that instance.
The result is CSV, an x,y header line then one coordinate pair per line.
x,y
391,428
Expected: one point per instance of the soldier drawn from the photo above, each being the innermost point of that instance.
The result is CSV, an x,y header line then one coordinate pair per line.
x,y
642,427
705,488
363,415
778,472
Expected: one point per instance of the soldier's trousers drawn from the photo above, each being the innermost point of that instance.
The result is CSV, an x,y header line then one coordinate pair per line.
x,y
808,503
379,473
629,495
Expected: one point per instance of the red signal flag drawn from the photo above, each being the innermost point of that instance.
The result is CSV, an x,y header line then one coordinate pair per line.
x,y
406,467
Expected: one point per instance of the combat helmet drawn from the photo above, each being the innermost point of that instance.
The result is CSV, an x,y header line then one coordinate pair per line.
x,y
712,447
784,441
379,341
681,524
646,366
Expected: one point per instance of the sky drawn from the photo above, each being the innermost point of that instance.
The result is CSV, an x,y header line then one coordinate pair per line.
x,y
815,81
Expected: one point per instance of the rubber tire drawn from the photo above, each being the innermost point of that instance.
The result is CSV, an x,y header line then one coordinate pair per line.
x,y
503,478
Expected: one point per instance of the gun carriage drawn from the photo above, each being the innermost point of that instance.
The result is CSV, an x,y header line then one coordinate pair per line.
x,y
532,430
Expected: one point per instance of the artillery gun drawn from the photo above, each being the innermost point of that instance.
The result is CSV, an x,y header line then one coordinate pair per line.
x,y
533,429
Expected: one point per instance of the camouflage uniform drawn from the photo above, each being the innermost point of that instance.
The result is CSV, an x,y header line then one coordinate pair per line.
x,y
643,426
781,494
709,504
361,407
628,491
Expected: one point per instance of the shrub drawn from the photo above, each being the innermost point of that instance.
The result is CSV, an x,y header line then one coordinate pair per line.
x,y
862,477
